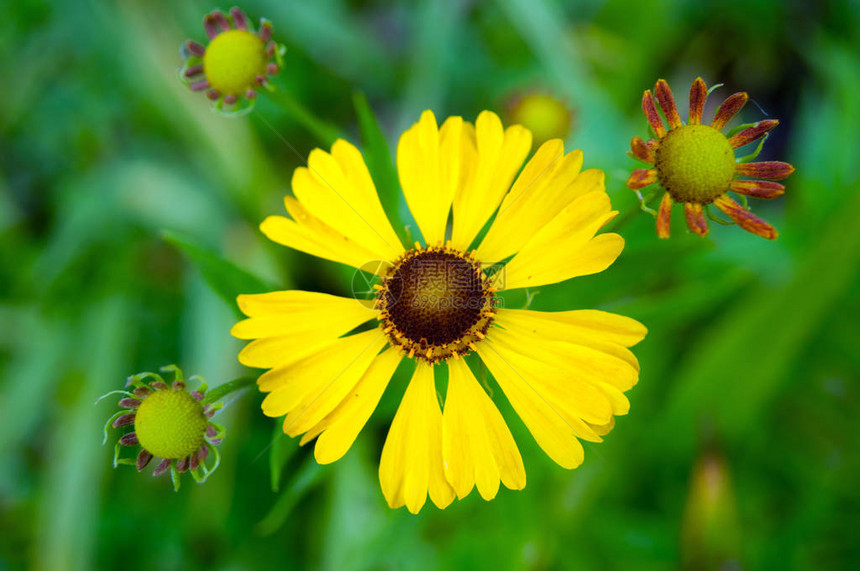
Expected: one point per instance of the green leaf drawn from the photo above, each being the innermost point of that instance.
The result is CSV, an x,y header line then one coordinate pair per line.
x,y
226,278
377,156
306,477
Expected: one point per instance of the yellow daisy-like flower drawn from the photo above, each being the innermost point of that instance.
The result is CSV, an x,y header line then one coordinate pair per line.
x,y
564,372
235,63
696,165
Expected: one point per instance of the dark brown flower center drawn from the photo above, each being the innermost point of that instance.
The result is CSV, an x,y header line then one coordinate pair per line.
x,y
436,303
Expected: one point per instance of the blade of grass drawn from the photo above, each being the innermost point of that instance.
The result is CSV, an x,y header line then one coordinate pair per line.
x,y
226,278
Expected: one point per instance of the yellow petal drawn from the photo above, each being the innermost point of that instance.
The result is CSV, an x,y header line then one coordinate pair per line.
x,y
604,429
290,384
340,428
594,357
498,155
477,446
284,350
552,431
307,234
568,374
301,312
428,165
566,247
548,183
337,189
330,390
352,165
411,464
617,400
578,326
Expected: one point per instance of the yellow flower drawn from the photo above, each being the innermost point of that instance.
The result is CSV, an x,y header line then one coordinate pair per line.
x,y
169,423
696,163
235,63
563,372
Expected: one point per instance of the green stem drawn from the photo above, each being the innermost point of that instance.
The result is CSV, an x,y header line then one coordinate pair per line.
x,y
325,132
222,391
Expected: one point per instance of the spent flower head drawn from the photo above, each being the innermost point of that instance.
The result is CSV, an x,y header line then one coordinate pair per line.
x,y
234,64
544,114
695,163
169,423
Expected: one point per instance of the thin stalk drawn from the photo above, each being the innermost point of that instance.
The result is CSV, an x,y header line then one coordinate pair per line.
x,y
222,391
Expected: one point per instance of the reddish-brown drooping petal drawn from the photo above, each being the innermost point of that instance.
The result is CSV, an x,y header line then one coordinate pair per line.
x,y
753,133
652,115
667,103
129,402
696,218
664,215
162,467
745,219
239,18
211,432
124,420
640,150
129,439
198,457
758,188
770,170
182,464
221,20
211,26
142,391
265,30
143,459
698,96
194,70
640,178
158,385
179,385
729,109
195,48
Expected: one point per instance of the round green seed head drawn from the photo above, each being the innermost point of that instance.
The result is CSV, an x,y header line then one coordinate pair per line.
x,y
695,163
170,424
233,60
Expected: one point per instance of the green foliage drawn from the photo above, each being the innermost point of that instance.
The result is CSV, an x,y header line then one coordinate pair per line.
x,y
226,278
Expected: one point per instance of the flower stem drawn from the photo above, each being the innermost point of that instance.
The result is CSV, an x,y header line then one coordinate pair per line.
x,y
222,391
325,132
627,215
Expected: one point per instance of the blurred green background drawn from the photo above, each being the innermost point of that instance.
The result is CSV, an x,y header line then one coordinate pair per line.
x,y
741,448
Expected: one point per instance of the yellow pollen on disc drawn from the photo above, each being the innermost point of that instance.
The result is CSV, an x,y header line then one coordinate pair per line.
x,y
233,60
695,163
170,424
